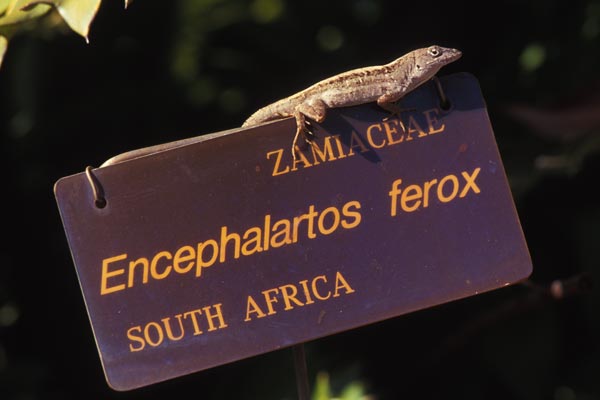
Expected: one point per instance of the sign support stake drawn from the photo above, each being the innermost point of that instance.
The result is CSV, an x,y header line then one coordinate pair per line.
x,y
301,372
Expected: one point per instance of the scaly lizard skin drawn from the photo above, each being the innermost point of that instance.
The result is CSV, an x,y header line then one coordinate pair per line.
x,y
385,84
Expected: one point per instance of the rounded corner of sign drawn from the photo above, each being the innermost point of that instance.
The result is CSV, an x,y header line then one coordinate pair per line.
x,y
528,270
525,270
117,381
118,386
57,185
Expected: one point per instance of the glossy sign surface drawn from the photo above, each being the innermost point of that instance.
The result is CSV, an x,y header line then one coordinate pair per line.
x,y
218,250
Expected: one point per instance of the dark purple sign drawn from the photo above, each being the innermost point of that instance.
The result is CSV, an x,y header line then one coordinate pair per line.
x,y
214,250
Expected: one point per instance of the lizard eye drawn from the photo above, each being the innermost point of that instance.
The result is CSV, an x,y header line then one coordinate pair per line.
x,y
434,51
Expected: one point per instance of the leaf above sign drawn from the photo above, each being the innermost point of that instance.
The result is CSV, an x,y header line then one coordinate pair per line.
x,y
77,14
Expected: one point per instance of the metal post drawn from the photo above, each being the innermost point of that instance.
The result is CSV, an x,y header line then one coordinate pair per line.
x,y
301,372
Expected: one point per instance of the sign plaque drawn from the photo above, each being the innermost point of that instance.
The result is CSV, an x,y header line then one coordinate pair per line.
x,y
209,251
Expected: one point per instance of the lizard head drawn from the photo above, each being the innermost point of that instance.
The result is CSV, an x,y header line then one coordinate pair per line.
x,y
429,60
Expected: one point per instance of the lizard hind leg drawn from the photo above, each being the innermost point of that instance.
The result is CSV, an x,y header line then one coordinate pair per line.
x,y
300,130
314,110
303,130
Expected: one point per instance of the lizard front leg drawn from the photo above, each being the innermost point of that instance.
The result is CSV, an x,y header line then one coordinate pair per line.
x,y
388,103
315,110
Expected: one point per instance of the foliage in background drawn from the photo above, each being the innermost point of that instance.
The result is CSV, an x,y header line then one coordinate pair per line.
x,y
352,391
159,73
20,15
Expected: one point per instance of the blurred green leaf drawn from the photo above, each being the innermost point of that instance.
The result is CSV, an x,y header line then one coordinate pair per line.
x,y
532,57
322,389
7,6
353,391
20,11
591,25
330,38
4,5
3,44
265,11
78,14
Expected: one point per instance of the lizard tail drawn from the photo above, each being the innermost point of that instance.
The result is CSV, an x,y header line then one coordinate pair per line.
x,y
256,118
271,112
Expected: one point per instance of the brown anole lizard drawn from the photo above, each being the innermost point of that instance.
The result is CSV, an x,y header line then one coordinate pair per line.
x,y
385,84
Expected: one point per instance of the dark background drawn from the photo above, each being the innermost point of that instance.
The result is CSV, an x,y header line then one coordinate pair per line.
x,y
162,71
